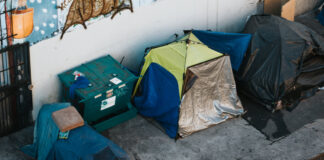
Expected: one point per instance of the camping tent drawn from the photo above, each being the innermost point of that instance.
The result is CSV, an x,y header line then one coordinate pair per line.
x,y
284,64
186,84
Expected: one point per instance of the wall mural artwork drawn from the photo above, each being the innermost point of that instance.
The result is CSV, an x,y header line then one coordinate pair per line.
x,y
45,20
81,11
56,17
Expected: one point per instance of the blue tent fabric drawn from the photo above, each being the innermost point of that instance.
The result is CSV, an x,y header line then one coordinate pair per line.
x,y
45,132
159,98
320,17
84,143
233,44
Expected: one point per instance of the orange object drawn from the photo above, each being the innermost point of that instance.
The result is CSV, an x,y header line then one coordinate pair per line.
x,y
22,22
67,119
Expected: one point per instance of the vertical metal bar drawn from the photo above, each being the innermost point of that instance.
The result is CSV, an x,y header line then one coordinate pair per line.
x,y
1,70
1,118
1,30
5,103
28,64
1,104
21,67
6,115
9,105
6,68
13,74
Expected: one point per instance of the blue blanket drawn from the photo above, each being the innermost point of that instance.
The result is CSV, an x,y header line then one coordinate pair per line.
x,y
45,132
84,143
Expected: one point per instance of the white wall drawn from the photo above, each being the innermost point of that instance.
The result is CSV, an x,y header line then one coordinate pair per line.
x,y
128,34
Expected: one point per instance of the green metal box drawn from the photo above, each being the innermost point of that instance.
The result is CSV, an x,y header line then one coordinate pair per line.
x,y
106,102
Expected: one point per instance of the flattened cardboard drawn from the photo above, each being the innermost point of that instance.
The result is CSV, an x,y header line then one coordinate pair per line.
x,y
67,119
283,8
288,10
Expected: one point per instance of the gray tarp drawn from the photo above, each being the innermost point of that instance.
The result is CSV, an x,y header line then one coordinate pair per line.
x,y
210,96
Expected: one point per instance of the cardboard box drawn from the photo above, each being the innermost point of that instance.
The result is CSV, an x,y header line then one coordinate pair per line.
x,y
67,119
283,8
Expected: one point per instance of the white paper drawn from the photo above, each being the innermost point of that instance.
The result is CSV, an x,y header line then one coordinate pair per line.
x,y
107,103
115,81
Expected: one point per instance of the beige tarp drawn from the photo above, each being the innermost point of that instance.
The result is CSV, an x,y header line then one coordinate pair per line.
x,y
209,96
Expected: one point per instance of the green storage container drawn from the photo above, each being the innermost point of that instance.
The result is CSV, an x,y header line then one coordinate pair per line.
x,y
106,102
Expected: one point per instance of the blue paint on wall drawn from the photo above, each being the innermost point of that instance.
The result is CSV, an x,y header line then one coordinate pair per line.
x,y
45,20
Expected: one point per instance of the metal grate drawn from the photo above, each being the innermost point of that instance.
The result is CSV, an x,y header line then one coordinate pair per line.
x,y
15,95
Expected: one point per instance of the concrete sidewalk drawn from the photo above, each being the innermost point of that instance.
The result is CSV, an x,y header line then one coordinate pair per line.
x,y
231,140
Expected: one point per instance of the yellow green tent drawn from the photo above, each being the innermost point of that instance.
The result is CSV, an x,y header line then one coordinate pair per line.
x,y
178,56
186,87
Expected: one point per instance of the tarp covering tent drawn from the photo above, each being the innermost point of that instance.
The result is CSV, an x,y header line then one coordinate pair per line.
x,y
209,96
284,64
233,44
320,16
187,71
312,18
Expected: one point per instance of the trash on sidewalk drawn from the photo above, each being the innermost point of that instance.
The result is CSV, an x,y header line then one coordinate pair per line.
x,y
187,74
103,94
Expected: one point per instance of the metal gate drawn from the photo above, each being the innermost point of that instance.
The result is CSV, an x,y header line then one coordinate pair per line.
x,y
15,95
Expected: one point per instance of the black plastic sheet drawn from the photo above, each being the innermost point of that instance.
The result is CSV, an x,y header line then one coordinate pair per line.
x,y
284,63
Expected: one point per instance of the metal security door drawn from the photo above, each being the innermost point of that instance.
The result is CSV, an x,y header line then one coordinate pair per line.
x,y
15,94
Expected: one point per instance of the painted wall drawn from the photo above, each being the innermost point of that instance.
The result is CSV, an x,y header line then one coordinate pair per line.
x,y
128,35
